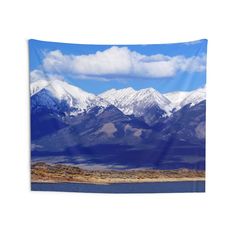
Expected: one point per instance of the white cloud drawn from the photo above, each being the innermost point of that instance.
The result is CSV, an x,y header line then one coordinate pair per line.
x,y
121,61
36,75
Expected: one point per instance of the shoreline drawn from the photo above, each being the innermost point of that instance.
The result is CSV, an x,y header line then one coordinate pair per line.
x,y
58,174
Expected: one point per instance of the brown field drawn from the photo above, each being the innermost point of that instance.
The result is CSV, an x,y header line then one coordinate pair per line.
x,y
41,172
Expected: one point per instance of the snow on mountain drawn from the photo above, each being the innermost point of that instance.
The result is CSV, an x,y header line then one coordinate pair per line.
x,y
37,86
57,93
194,97
181,98
130,101
120,98
176,97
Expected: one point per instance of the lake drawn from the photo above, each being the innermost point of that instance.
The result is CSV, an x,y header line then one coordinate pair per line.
x,y
157,187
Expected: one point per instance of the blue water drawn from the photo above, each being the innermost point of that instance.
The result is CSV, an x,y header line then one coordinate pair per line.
x,y
163,187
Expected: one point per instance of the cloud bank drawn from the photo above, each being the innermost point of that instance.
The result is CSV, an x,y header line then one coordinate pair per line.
x,y
119,61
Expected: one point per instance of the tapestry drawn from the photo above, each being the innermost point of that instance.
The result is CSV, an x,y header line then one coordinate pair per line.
x,y
118,118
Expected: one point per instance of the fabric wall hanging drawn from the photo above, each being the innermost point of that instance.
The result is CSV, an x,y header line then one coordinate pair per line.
x,y
118,118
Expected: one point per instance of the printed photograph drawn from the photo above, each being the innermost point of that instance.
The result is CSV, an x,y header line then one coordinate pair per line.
x,y
118,118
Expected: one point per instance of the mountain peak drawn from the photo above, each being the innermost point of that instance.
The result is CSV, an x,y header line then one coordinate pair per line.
x,y
181,98
36,86
62,93
132,102
128,89
194,97
149,90
62,90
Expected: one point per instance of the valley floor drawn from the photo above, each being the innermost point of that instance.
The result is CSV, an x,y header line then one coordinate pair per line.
x,y
45,173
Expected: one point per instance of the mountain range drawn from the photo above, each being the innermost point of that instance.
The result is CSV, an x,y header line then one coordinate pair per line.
x,y
125,127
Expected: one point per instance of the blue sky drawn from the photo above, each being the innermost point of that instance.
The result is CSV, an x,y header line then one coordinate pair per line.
x,y
96,68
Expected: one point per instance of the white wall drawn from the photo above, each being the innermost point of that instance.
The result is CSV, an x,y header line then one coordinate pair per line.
x,y
46,213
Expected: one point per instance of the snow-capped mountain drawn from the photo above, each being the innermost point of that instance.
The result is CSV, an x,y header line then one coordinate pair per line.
x,y
59,95
135,125
176,98
37,86
180,99
149,104
194,97
132,102
120,98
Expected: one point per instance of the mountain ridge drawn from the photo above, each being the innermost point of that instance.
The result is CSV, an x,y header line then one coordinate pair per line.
x,y
76,127
60,93
128,100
